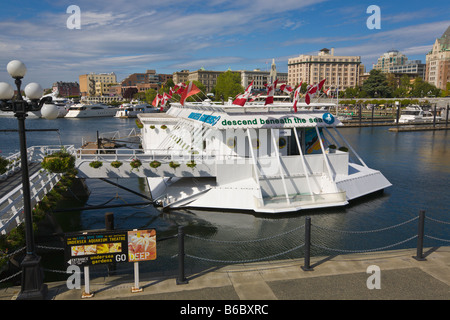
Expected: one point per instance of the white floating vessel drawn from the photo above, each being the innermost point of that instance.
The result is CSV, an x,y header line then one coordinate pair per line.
x,y
260,158
81,110
415,114
131,110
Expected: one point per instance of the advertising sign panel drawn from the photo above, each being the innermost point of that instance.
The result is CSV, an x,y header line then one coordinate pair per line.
x,y
91,248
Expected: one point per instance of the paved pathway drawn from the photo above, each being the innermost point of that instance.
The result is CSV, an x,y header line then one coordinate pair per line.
x,y
341,277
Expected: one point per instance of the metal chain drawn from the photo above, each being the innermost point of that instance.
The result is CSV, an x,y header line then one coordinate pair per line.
x,y
368,231
245,241
362,251
434,238
245,261
10,277
439,221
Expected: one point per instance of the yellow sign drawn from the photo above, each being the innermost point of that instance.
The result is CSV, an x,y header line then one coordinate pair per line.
x,y
141,245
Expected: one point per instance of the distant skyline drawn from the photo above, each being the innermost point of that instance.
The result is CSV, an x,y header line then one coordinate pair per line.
x,y
126,37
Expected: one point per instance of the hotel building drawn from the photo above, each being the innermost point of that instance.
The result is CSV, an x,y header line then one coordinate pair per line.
x,y
340,71
88,83
390,59
438,62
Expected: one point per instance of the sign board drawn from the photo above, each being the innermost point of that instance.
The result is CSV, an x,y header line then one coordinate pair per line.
x,y
91,248
141,245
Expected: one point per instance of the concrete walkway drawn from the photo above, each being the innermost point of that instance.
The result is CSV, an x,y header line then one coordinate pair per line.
x,y
340,277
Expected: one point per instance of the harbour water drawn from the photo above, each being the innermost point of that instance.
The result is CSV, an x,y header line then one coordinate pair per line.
x,y
416,163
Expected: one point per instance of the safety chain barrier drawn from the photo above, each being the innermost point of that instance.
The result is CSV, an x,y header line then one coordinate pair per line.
x,y
181,279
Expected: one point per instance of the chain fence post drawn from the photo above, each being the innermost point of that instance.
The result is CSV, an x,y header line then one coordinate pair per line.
x,y
420,236
181,278
307,266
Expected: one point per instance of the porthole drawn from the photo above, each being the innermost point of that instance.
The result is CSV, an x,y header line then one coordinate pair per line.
x,y
231,143
282,142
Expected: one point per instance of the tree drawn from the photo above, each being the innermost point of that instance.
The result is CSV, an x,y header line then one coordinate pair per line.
x,y
421,88
129,93
377,85
150,95
228,85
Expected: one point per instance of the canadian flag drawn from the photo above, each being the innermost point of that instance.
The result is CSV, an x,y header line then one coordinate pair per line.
x,y
270,92
242,98
296,95
253,98
312,90
178,89
286,88
190,90
157,99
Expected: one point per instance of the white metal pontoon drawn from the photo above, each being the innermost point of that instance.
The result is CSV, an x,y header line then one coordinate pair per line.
x,y
258,158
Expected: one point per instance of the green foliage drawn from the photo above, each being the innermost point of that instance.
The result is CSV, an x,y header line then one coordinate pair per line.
x,y
3,165
96,164
191,164
59,162
116,164
228,85
377,85
155,164
421,88
174,164
135,164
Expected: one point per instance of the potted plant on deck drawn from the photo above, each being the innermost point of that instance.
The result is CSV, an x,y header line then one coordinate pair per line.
x,y
116,164
135,164
59,162
96,164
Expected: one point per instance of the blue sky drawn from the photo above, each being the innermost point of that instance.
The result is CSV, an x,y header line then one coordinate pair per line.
x,y
169,35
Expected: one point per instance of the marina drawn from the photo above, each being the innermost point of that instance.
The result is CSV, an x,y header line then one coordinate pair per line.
x,y
404,158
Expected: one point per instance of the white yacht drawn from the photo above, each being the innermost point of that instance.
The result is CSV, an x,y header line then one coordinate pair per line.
x,y
63,104
415,114
256,158
82,110
131,110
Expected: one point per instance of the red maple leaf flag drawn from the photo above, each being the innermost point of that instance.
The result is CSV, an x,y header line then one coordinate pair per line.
x,y
190,90
286,88
156,100
242,98
296,96
270,92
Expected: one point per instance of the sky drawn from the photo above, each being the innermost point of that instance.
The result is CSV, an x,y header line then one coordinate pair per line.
x,y
126,37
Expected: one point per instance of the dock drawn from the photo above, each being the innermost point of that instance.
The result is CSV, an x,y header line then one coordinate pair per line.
x,y
336,277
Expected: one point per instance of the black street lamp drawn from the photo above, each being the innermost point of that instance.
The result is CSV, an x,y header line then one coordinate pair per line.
x,y
32,275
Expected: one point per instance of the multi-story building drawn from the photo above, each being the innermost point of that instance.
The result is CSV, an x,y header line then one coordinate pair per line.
x,y
413,68
66,89
144,81
207,77
88,82
340,71
392,58
180,76
438,62
261,78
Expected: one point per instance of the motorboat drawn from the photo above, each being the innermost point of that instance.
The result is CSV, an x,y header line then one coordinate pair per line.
x,y
267,160
415,114
63,104
81,110
131,110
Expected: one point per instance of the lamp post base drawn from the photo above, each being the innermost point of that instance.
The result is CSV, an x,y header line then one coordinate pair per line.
x,y
33,287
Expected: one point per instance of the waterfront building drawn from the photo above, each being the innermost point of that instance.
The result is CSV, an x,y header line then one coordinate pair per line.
x,y
181,76
438,62
261,78
207,77
412,68
340,71
392,58
88,82
149,79
66,89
